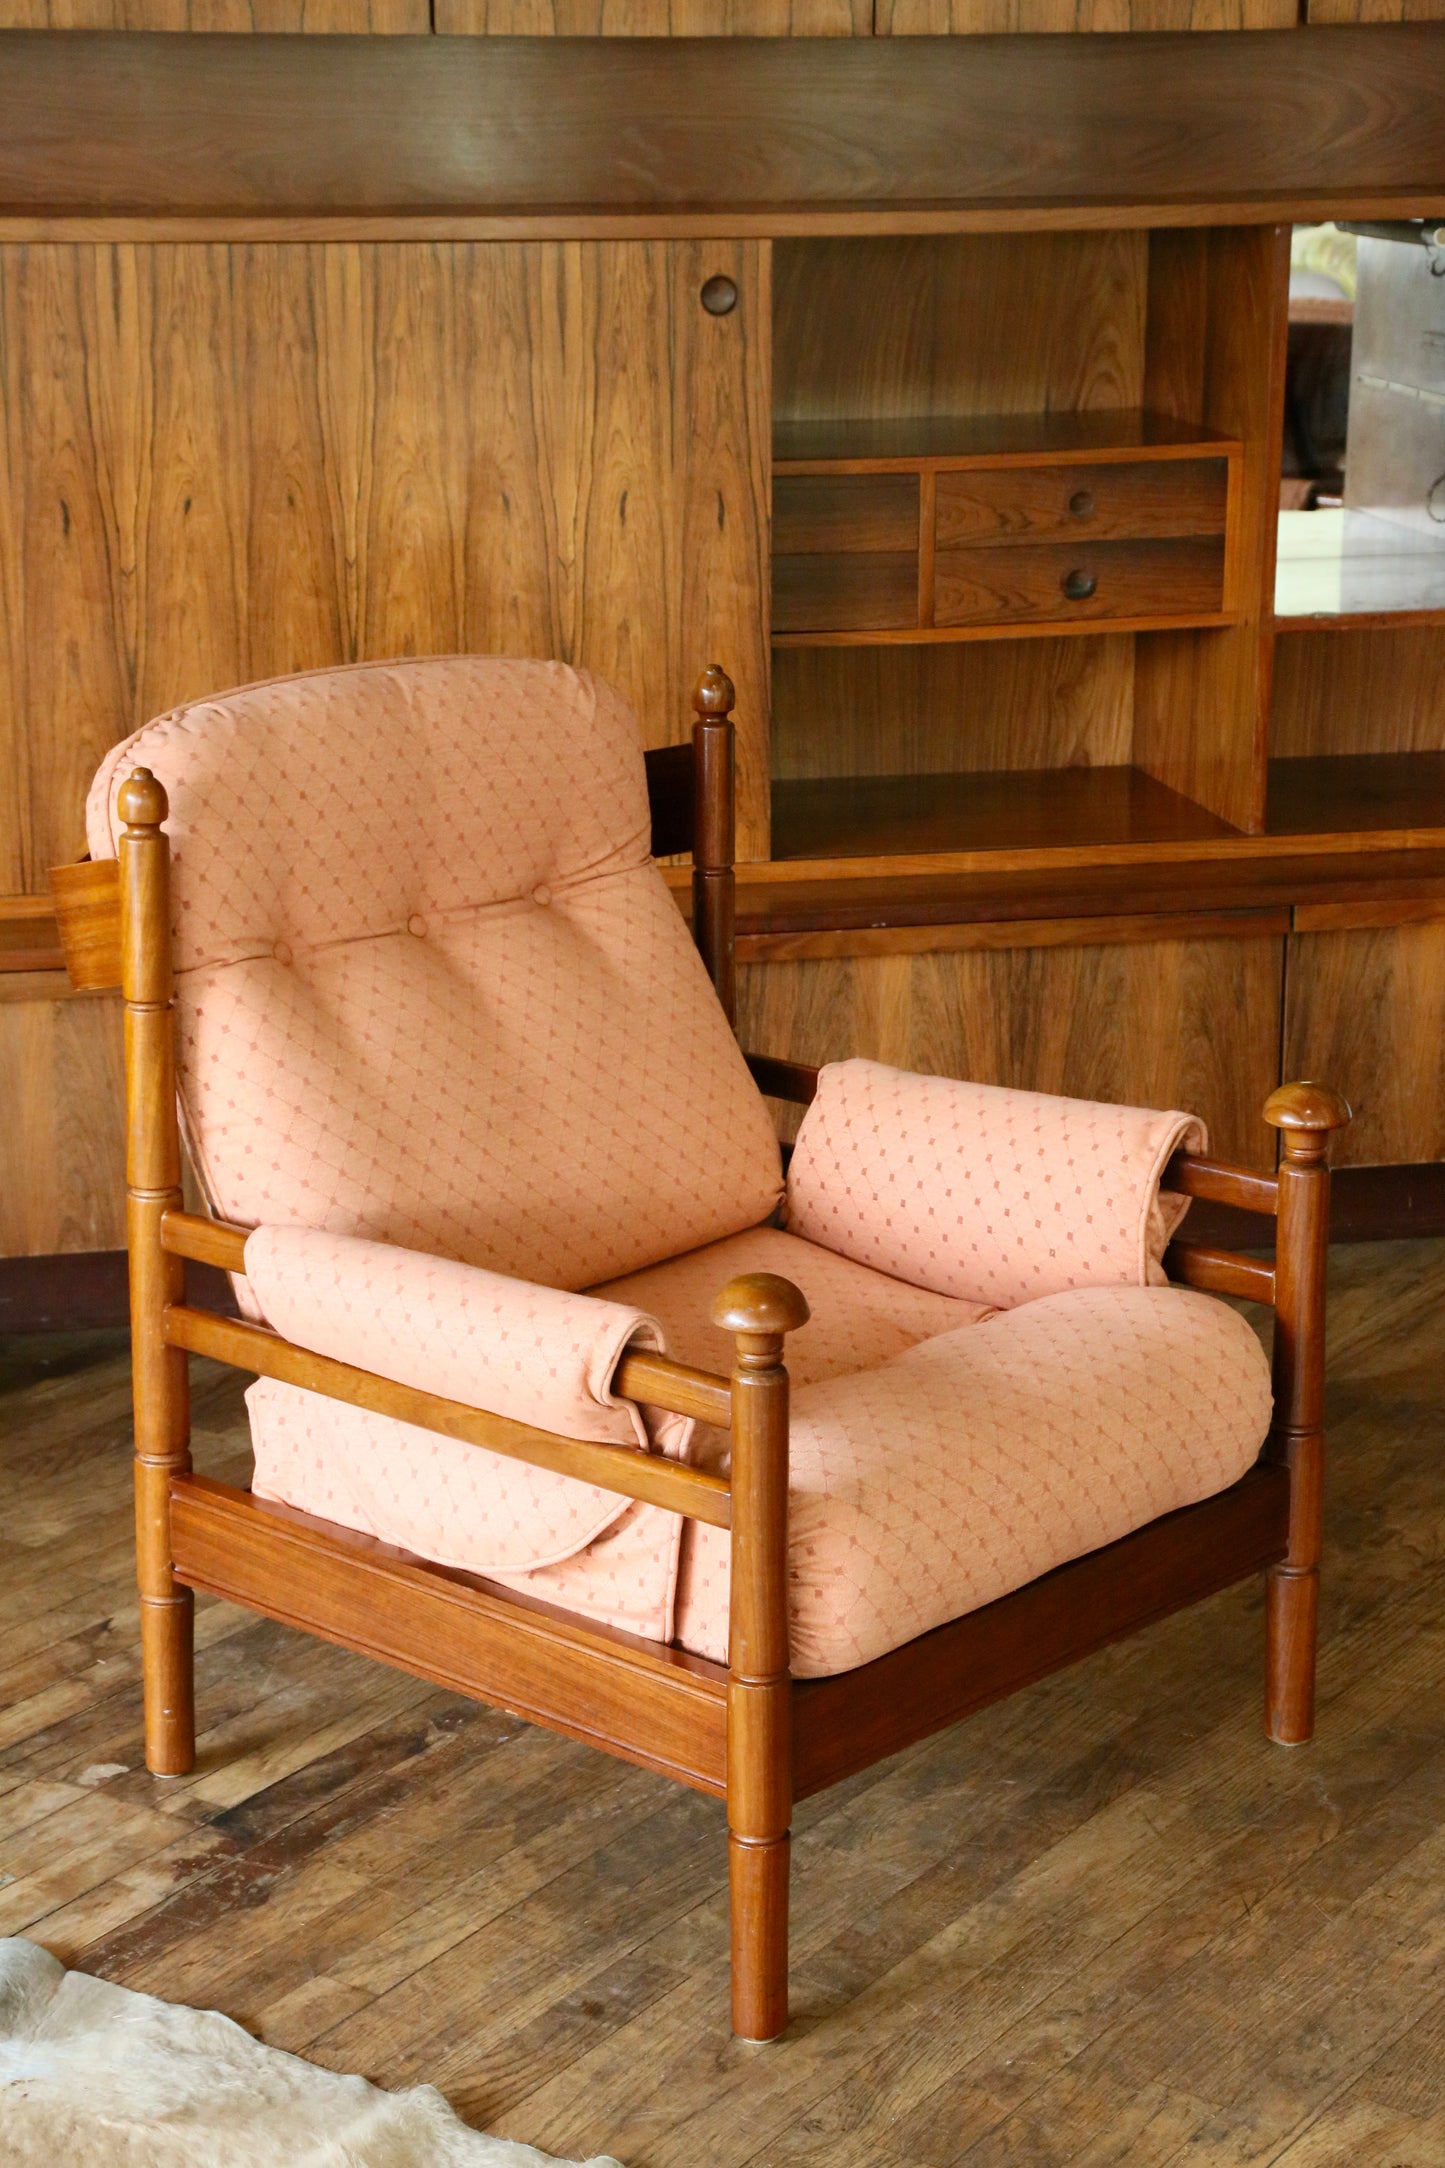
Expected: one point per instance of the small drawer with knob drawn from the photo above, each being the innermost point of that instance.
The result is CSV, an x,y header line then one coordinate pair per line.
x,y
1123,500
1043,582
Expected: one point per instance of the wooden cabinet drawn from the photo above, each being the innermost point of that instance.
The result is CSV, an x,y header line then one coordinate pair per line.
x,y
969,478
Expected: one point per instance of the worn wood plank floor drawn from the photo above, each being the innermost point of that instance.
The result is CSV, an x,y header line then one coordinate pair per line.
x,y
1105,1923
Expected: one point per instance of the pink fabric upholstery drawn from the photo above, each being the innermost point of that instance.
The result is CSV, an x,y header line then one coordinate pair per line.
x,y
991,1195
442,1499
941,1454
431,988
531,1353
978,1460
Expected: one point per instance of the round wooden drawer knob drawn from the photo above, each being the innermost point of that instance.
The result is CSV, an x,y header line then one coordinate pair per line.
x,y
1078,586
719,296
1081,504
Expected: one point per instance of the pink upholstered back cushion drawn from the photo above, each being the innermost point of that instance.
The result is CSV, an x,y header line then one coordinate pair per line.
x,y
431,987
533,1353
995,1196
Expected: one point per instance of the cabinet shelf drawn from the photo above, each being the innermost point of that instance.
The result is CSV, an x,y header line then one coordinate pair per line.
x,y
897,445
1351,570
904,816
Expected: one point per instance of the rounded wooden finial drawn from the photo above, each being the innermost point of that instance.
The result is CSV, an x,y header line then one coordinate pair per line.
x,y
141,800
760,1302
714,692
1307,1105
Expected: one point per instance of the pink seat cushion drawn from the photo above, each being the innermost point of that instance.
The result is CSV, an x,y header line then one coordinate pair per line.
x,y
942,1454
978,1460
436,1497
431,988
993,1195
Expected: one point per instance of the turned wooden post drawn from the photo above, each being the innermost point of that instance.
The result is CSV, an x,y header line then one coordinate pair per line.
x,y
161,1384
713,900
760,1309
1305,1114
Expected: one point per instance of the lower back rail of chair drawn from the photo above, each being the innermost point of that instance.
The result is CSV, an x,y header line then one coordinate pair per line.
x,y
747,1733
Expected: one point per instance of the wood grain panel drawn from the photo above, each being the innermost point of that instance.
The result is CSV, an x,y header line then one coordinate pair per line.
x,y
61,1146
228,463
222,463
939,18
1366,1011
657,18
1169,1023
746,136
913,326
1374,11
319,17
928,710
1375,692
1218,321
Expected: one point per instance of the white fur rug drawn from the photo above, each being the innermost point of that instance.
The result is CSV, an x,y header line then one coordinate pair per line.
x,y
93,2076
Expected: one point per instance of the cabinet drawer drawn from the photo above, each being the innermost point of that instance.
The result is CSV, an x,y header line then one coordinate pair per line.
x,y
1028,582
1139,500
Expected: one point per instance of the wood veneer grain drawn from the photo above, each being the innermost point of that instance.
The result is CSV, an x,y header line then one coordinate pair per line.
x,y
656,18
954,707
1169,1023
520,137
268,459
954,18
1374,691
1218,325
1367,1008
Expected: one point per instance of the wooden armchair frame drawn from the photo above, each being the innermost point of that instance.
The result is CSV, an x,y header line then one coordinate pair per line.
x,y
747,1733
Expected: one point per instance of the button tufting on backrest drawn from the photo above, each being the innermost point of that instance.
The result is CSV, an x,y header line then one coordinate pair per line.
x,y
524,1089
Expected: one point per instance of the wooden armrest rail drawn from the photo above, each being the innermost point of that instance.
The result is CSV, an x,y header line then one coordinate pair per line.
x,y
650,1479
655,1379
1220,1272
792,1080
1211,1179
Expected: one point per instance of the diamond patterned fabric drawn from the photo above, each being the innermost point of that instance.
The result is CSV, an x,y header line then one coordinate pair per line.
x,y
431,988
979,1459
531,1353
994,1195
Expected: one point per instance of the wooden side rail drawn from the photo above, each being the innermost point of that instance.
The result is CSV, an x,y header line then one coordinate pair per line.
x,y
644,1476
1189,1176
1220,1272
655,1379
791,1080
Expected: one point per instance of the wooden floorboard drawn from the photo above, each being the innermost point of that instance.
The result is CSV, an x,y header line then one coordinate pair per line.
x,y
1102,1923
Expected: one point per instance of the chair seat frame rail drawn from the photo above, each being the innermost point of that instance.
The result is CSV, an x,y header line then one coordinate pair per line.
x,y
747,1733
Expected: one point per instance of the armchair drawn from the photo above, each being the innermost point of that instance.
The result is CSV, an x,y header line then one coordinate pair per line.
x,y
502,1199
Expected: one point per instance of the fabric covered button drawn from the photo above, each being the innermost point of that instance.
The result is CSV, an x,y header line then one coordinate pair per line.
x,y
282,952
541,893
416,923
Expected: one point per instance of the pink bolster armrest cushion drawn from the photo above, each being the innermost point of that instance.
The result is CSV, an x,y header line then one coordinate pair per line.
x,y
983,1193
534,1354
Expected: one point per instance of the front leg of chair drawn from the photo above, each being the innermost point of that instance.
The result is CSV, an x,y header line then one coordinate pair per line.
x,y
760,1309
160,1381
1305,1114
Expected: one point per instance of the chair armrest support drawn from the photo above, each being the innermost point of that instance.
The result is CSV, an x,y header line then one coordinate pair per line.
x,y
623,1469
792,1080
760,1309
